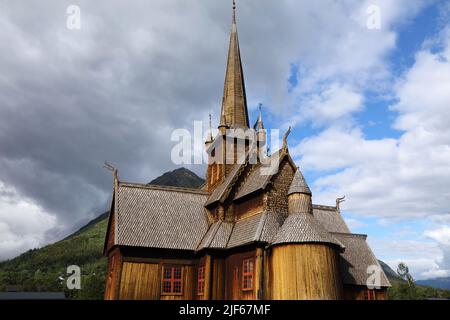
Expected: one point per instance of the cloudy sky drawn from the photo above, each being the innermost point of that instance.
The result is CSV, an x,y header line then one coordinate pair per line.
x,y
369,107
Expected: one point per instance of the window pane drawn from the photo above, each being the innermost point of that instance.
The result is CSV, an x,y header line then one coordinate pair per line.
x,y
167,272
167,287
177,273
177,287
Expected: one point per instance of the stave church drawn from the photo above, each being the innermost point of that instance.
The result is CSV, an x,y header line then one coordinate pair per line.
x,y
247,234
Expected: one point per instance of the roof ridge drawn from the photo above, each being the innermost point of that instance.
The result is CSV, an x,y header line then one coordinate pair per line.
x,y
356,235
164,188
325,207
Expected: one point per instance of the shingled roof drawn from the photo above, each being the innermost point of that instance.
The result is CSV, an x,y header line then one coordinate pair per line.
x,y
304,228
159,217
261,228
299,184
330,218
261,174
221,191
356,259
256,180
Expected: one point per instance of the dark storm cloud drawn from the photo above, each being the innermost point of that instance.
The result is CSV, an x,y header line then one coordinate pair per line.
x,y
113,90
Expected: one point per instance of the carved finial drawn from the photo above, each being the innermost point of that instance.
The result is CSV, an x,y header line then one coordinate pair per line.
x,y
286,136
210,137
210,121
338,203
112,169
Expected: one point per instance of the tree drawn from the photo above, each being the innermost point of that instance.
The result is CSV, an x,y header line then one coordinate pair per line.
x,y
407,289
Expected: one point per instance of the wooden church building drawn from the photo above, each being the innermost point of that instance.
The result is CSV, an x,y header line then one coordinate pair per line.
x,y
248,234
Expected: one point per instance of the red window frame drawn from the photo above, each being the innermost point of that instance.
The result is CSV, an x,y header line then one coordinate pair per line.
x,y
172,280
370,294
201,280
248,267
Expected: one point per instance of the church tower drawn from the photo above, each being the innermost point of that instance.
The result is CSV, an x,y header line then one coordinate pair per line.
x,y
228,149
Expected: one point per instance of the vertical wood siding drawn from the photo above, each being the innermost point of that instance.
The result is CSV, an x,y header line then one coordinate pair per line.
x,y
233,277
305,272
140,281
113,275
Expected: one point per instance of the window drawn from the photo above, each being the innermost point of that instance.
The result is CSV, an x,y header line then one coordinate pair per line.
x,y
370,295
201,281
172,280
247,274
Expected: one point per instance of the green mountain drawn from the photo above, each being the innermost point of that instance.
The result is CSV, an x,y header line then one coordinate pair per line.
x,y
441,283
179,178
44,269
391,274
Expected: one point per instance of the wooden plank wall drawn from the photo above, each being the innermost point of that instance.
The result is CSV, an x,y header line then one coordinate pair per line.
x,y
233,277
113,276
305,272
142,281
250,207
218,279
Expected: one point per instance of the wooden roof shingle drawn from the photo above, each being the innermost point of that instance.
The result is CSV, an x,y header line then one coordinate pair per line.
x,y
356,259
304,228
330,218
160,217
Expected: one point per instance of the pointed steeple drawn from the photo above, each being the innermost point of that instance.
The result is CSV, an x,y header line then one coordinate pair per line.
x,y
299,184
260,125
234,105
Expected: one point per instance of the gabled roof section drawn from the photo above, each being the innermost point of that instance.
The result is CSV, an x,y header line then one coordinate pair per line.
x,y
330,218
160,217
221,191
259,178
356,259
217,236
234,105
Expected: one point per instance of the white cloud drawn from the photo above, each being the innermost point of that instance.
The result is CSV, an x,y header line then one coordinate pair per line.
x,y
421,257
23,224
442,235
397,179
331,103
406,177
355,224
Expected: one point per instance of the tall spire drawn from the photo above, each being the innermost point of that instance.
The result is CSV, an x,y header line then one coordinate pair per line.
x,y
234,105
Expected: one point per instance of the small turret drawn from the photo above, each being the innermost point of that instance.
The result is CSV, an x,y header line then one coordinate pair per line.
x,y
261,135
299,195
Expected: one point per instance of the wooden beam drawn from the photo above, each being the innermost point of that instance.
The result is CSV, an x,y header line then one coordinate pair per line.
x,y
259,273
208,277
